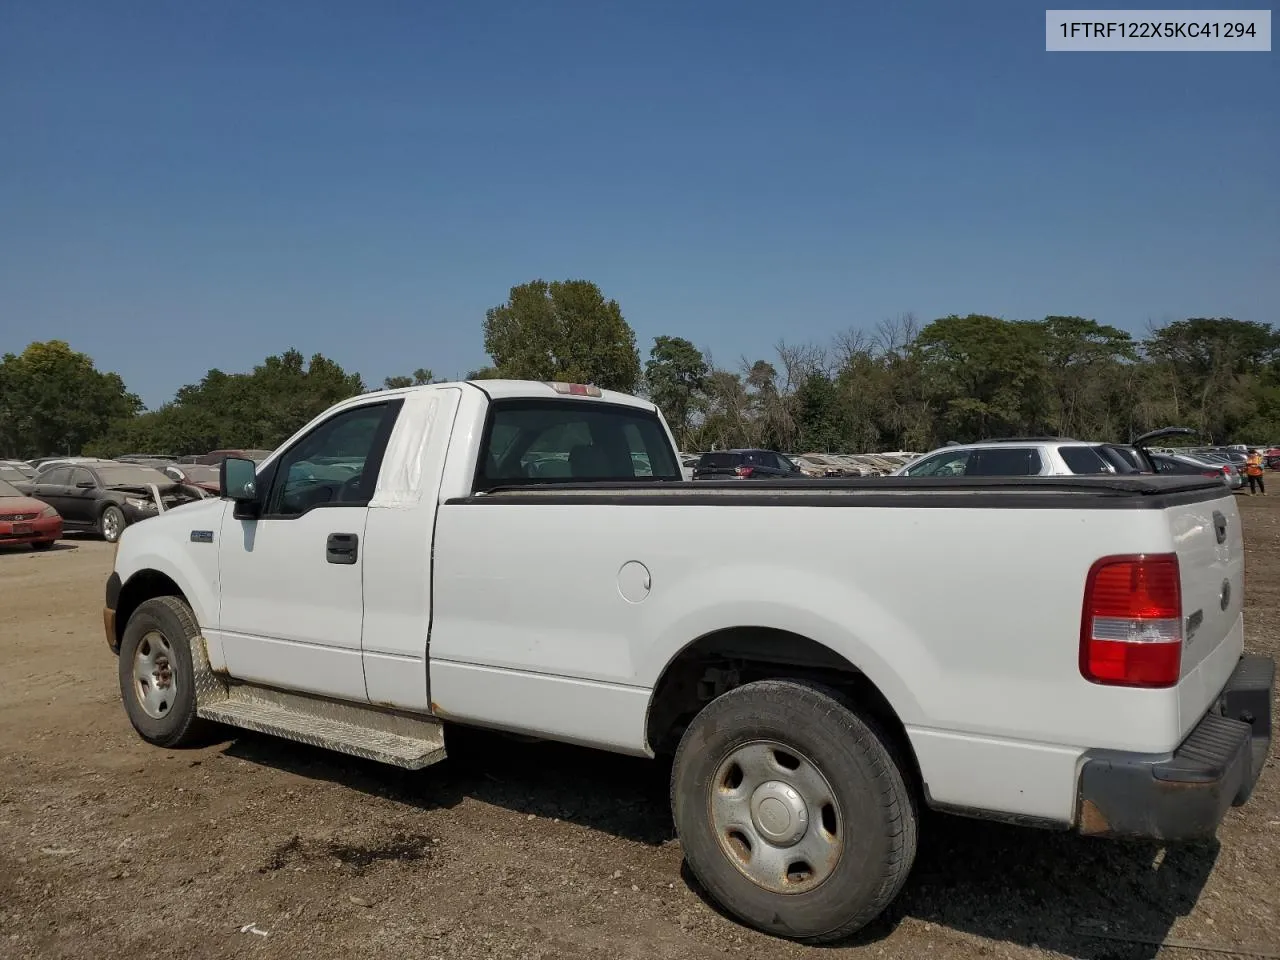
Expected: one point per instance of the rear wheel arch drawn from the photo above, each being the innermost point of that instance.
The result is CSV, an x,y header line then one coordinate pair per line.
x,y
725,659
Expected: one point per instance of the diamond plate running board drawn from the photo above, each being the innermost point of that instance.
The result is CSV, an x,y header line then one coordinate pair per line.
x,y
398,739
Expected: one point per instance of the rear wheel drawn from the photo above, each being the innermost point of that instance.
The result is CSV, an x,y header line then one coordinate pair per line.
x,y
792,811
156,676
111,524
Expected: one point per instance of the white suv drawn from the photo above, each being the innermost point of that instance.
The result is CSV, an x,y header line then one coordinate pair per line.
x,y
1026,457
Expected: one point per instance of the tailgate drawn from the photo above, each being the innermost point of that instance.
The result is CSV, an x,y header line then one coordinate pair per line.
x,y
1208,539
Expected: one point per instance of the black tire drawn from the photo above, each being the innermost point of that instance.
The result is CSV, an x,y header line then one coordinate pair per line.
x,y
42,545
874,809
171,619
110,530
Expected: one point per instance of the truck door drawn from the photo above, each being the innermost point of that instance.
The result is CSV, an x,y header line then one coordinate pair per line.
x,y
292,598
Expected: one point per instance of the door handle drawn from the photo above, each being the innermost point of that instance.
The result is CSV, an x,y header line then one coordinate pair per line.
x,y
342,548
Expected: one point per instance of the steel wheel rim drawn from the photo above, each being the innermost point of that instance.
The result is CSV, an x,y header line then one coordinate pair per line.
x,y
776,817
111,524
154,682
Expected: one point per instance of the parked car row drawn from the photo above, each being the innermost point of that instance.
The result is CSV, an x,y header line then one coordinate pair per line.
x,y
750,463
41,498
1006,457
1060,456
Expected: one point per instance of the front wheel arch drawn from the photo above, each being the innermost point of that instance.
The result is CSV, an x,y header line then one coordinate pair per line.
x,y
138,589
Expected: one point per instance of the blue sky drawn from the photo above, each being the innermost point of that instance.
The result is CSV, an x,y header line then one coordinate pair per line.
x,y
191,185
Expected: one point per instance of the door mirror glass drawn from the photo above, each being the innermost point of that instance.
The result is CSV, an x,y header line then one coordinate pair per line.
x,y
238,479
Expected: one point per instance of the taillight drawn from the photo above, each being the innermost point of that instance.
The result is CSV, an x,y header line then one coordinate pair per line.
x,y
1131,628
745,472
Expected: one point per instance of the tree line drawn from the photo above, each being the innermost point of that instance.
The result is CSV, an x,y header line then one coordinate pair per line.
x,y
903,385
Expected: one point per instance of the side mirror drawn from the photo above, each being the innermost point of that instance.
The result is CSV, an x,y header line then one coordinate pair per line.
x,y
238,479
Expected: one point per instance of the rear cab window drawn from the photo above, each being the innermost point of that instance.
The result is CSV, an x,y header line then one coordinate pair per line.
x,y
533,442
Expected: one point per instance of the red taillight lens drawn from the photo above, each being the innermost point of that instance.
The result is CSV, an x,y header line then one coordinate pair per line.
x,y
745,472
1131,628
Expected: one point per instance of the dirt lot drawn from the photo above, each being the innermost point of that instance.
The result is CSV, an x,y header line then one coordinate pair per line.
x,y
112,848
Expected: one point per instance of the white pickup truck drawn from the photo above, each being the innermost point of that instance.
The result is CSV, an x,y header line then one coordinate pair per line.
x,y
822,658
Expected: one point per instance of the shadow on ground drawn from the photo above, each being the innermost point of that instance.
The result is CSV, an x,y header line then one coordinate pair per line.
x,y
1016,885
11,549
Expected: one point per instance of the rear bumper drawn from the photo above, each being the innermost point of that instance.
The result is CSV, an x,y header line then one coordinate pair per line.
x,y
1184,795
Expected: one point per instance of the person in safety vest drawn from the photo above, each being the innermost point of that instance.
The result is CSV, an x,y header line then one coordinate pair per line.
x,y
1253,470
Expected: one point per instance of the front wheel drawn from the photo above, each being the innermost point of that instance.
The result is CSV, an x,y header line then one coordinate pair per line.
x,y
157,680
111,524
792,811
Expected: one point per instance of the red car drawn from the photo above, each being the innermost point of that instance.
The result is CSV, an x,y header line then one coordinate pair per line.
x,y
24,520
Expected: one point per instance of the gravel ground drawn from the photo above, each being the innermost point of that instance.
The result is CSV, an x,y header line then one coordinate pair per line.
x,y
252,847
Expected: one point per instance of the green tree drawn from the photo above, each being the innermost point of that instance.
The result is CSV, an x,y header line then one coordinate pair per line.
x,y
420,376
1086,365
987,375
818,415
257,410
54,400
1214,368
565,330
676,375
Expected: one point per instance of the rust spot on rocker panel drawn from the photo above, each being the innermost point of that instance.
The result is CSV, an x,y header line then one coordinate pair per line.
x,y
109,626
1092,820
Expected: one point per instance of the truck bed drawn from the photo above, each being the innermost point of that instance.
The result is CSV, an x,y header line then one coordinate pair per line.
x,y
1040,493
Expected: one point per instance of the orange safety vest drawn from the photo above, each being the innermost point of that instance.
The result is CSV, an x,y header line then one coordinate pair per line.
x,y
1254,466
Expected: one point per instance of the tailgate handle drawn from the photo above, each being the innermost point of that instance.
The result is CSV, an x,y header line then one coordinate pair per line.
x,y
1220,526
342,548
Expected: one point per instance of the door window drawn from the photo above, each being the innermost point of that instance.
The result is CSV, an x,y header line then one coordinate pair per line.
x,y
81,475
1004,462
336,464
1085,460
57,477
950,463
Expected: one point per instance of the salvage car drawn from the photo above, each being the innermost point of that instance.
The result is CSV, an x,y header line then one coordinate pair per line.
x,y
106,496
813,701
199,475
14,471
24,519
745,465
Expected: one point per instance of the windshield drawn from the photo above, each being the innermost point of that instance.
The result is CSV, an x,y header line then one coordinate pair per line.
x,y
127,476
11,473
9,490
